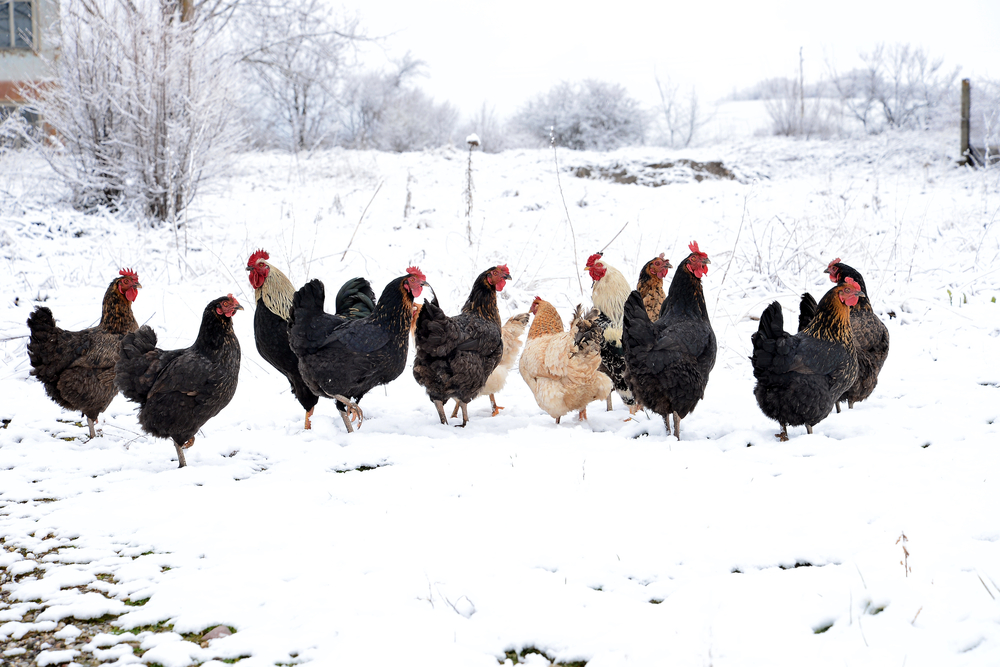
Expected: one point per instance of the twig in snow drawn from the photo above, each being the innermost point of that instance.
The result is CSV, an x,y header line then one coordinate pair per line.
x,y
555,158
360,220
614,237
984,586
725,273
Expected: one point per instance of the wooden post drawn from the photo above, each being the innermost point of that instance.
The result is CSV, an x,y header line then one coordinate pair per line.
x,y
966,153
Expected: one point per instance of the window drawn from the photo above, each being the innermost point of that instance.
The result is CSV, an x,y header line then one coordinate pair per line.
x,y
15,24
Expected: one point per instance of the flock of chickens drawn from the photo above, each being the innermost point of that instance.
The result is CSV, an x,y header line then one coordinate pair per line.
x,y
655,349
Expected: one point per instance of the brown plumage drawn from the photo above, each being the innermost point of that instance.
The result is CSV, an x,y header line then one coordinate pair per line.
x,y
650,285
801,376
179,390
77,368
456,355
561,367
510,334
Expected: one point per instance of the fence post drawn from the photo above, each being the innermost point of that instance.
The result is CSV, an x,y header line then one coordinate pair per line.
x,y
966,153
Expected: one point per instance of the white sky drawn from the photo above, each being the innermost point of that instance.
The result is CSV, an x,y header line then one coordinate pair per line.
x,y
504,53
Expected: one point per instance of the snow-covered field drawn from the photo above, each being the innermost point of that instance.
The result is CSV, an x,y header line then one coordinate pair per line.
x,y
875,541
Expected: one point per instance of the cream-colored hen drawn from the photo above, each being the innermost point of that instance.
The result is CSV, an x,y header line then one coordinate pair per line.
x,y
560,367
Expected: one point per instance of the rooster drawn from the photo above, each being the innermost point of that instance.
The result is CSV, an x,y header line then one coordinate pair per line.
x,y
343,358
800,377
273,293
456,355
561,367
77,368
609,294
179,390
650,285
669,359
510,334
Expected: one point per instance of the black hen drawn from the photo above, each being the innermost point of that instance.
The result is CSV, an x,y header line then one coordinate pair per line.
x,y
273,293
455,355
669,360
800,377
343,358
179,390
77,368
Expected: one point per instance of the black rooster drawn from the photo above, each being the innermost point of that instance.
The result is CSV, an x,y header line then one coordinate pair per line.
x,y
800,377
455,355
273,293
342,358
669,360
77,368
179,390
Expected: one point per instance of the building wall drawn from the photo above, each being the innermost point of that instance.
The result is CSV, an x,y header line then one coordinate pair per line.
x,y
19,66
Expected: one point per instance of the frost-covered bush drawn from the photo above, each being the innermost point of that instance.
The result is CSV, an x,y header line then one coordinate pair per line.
x,y
384,111
589,115
795,114
296,57
140,103
898,86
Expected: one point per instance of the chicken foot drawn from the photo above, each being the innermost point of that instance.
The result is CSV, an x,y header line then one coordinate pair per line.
x,y
181,461
610,407
90,424
465,413
677,425
309,425
353,410
783,436
496,408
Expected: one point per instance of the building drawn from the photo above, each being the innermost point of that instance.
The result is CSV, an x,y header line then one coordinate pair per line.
x,y
27,41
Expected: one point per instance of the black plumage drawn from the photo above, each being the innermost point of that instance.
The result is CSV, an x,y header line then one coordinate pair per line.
x,y
343,358
179,390
669,360
799,377
273,293
455,355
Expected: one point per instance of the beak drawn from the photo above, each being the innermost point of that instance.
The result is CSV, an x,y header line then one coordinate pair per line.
x,y
239,307
706,261
506,276
669,265
249,269
137,286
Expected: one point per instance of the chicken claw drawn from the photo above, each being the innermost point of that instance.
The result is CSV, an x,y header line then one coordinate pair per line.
x,y
309,425
496,408
353,411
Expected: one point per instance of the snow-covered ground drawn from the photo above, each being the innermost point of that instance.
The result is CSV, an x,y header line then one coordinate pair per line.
x,y
875,541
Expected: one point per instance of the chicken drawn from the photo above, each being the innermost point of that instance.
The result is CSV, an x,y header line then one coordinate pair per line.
x,y
609,294
871,337
344,359
273,293
456,355
510,334
77,368
669,360
561,367
650,285
801,376
179,390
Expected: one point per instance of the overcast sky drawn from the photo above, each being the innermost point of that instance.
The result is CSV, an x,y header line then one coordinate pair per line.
x,y
503,53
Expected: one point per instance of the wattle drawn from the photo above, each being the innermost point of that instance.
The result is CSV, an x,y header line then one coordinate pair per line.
x,y
131,293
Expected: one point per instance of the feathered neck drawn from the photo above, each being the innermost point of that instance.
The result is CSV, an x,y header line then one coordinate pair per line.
x,y
832,321
216,329
276,292
547,321
610,294
482,301
685,298
116,311
394,309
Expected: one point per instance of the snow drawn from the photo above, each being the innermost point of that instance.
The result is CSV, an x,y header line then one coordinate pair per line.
x,y
604,541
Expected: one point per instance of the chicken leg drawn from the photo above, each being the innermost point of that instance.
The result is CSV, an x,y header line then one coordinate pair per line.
x,y
440,408
783,436
465,413
181,461
496,408
309,423
677,425
90,424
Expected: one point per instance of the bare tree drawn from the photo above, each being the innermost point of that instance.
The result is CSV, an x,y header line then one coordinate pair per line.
x,y
682,119
298,62
140,103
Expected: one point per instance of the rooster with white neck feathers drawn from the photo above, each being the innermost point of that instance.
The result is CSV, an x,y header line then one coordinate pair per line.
x,y
610,291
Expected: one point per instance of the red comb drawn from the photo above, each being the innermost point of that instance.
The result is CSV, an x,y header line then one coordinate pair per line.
x,y
693,247
260,254
129,273
853,283
593,258
504,269
830,265
661,255
414,271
